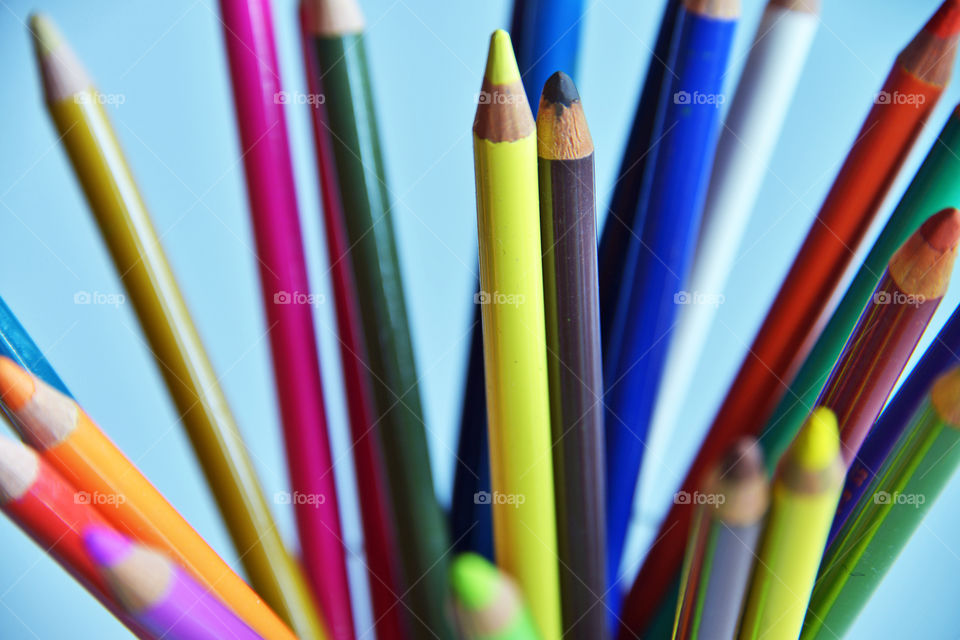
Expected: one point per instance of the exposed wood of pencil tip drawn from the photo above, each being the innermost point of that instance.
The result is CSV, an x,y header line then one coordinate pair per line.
x,y
139,580
741,479
931,54
562,132
945,397
800,6
63,74
44,416
331,17
922,265
503,114
19,466
718,9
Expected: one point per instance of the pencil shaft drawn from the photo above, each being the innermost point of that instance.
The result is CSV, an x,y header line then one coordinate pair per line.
x,y
938,358
568,235
16,344
382,556
549,43
421,530
660,254
251,52
194,387
780,346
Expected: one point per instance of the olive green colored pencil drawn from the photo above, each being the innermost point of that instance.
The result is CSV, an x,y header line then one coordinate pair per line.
x,y
908,482
334,44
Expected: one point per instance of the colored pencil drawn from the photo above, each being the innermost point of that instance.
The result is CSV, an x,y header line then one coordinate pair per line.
x,y
748,137
158,593
49,510
549,42
140,261
890,327
891,128
568,234
488,604
722,544
630,184
939,357
919,466
935,186
515,359
661,249
335,47
471,517
379,533
69,441
804,496
255,75
16,344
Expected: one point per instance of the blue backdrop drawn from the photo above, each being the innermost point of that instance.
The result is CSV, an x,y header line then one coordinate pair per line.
x,y
164,64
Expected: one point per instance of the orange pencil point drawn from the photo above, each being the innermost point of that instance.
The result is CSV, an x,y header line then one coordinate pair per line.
x,y
16,385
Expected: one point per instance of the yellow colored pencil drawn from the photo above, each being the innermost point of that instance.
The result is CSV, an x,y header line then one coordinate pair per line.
x,y
76,108
805,491
514,336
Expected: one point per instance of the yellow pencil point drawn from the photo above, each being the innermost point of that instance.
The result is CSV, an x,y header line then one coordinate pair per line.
x,y
501,62
46,36
818,443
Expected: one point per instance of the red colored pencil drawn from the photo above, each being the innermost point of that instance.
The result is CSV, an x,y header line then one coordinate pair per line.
x,y
378,532
54,514
890,328
910,93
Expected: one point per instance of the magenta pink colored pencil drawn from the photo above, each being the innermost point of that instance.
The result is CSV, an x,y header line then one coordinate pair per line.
x,y
159,594
251,52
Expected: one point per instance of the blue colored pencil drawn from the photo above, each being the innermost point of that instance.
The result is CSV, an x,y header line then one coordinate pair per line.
x,y
939,357
623,209
661,247
549,39
16,344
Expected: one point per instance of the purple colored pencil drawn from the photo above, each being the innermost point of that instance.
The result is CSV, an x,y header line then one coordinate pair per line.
x,y
160,595
941,355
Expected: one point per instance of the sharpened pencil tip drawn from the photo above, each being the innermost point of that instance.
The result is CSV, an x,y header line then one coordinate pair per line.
x,y
560,89
945,397
16,385
105,546
942,230
743,460
945,23
46,36
474,581
19,466
501,62
818,443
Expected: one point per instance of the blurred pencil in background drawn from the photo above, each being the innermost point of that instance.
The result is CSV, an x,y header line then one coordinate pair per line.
x,y
889,511
568,236
722,545
890,328
16,344
140,262
335,47
748,137
505,157
379,533
939,357
488,604
918,78
803,498
69,441
549,41
158,593
49,510
661,250
287,302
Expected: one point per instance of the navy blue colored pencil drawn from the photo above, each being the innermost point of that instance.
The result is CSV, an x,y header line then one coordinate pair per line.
x,y
939,357
661,247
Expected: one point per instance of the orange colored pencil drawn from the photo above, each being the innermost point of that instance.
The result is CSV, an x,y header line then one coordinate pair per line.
x,y
900,110
69,441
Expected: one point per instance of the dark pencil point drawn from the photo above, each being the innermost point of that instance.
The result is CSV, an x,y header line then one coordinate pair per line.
x,y
560,90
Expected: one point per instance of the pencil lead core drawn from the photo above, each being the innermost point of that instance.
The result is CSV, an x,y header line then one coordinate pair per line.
x,y
501,62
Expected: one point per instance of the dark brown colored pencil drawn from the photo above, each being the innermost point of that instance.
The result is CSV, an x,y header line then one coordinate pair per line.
x,y
568,234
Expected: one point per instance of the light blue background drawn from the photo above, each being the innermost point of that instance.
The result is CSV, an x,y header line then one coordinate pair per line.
x,y
177,126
